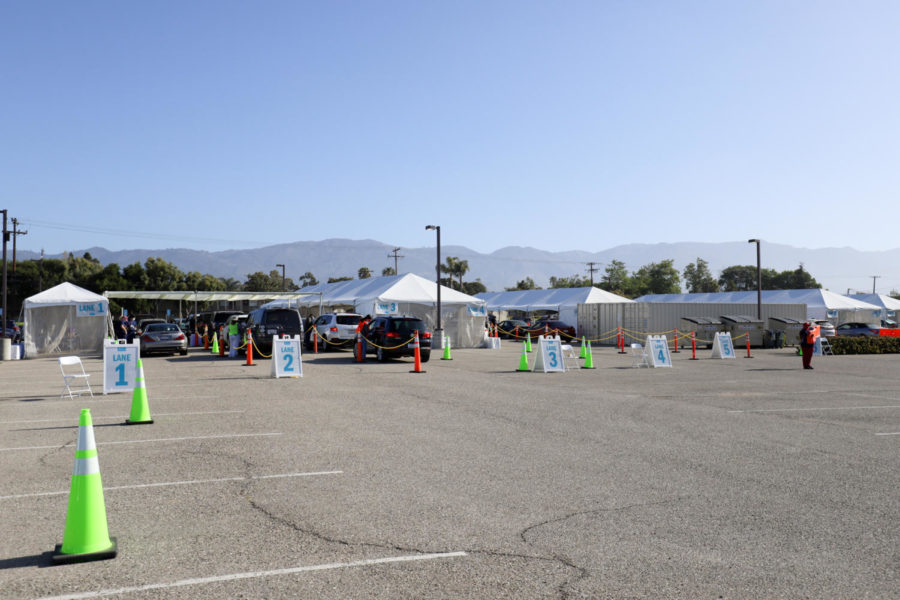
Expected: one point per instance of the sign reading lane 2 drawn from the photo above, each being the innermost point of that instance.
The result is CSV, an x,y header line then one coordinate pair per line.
x,y
286,359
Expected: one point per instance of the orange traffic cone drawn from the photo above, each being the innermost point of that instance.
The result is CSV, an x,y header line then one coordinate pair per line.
x,y
359,352
221,341
418,365
249,362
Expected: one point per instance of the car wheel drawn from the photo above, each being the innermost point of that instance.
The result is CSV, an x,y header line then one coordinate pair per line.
x,y
183,352
424,356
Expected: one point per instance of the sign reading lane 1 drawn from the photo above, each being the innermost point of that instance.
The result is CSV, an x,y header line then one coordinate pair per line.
x,y
657,349
550,356
120,366
286,360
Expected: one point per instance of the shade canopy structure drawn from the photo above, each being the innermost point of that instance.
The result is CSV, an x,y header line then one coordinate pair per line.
x,y
66,319
820,304
408,294
564,301
890,305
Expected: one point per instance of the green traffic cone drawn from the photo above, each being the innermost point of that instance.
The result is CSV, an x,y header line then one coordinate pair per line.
x,y
446,355
528,341
140,410
86,536
523,362
215,344
583,349
589,358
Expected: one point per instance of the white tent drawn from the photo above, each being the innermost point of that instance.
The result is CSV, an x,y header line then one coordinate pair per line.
x,y
462,316
820,304
564,301
890,305
66,319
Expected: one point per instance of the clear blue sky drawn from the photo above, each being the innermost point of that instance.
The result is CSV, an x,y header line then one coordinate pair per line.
x,y
559,125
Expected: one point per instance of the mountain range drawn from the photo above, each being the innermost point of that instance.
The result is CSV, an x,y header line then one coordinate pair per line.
x,y
837,269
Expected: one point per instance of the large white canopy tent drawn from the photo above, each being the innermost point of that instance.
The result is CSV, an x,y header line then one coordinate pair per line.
x,y
66,319
462,316
198,296
564,301
820,304
890,305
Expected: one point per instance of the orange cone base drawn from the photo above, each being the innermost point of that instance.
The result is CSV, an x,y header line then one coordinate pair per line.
x,y
58,558
130,422
414,371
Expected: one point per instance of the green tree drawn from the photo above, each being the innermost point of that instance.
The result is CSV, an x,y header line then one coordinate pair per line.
x,y
474,287
388,271
525,284
656,278
162,275
615,278
263,282
455,268
798,279
336,279
698,277
231,284
742,278
569,282
363,273
136,276
308,279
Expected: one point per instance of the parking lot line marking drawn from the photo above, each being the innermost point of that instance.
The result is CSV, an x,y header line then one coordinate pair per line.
x,y
255,574
889,433
155,414
175,439
750,410
167,483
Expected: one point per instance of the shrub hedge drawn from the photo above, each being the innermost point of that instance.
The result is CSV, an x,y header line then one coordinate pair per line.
x,y
865,344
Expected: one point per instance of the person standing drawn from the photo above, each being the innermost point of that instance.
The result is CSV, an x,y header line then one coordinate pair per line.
x,y
234,338
361,332
807,344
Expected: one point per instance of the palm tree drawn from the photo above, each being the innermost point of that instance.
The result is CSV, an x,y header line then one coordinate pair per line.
x,y
456,267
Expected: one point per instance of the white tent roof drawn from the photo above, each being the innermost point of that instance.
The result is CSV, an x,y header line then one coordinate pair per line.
x,y
552,299
62,294
813,299
408,288
230,296
879,300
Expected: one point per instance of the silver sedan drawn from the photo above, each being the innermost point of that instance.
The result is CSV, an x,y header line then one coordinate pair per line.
x,y
163,337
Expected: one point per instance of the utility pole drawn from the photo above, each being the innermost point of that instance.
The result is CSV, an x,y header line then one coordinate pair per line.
x,y
5,239
15,233
874,277
396,256
41,273
591,269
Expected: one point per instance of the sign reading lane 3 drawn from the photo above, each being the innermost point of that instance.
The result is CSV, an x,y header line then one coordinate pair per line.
x,y
120,366
286,359
657,349
550,356
723,346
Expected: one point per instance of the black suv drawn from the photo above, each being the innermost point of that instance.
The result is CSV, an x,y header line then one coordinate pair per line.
x,y
266,322
386,333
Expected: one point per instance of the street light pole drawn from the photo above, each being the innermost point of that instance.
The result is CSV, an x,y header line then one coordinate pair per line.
x,y
282,277
758,280
437,270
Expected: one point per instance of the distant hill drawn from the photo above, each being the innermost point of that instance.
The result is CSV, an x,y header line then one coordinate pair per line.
x,y
835,268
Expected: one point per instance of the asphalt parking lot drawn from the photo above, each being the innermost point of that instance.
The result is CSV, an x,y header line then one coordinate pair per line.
x,y
745,478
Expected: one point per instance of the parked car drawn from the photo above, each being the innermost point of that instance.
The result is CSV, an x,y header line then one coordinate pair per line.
x,y
267,322
337,329
857,329
386,333
13,331
566,331
512,328
143,323
826,328
163,337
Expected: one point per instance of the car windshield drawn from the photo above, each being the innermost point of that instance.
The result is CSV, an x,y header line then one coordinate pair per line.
x,y
408,326
348,319
162,328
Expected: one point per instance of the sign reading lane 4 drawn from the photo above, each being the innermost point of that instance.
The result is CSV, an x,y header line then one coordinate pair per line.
x,y
657,349
120,366
286,359
550,356
723,346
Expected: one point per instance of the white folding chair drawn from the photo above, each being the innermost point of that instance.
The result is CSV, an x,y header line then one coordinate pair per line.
x,y
74,375
638,356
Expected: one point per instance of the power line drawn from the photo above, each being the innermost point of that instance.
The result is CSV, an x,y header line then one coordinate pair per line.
x,y
591,269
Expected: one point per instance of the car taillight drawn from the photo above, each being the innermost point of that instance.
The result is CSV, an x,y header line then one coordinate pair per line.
x,y
392,334
180,337
333,329
148,338
427,334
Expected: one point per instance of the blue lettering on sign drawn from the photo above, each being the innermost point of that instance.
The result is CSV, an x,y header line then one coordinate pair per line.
x,y
552,356
662,356
120,369
288,362
122,357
